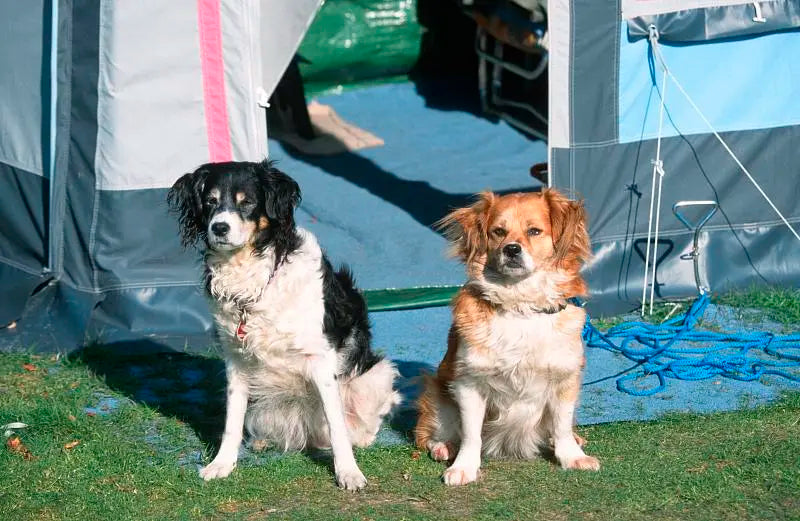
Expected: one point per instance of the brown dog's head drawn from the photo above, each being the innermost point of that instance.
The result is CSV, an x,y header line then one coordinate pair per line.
x,y
510,237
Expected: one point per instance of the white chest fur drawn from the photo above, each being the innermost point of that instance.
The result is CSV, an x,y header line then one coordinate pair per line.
x,y
526,353
533,341
282,314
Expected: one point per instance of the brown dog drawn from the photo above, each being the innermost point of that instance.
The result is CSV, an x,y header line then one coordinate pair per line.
x,y
509,382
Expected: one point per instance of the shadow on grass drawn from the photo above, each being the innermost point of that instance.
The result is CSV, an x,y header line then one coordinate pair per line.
x,y
191,387
188,387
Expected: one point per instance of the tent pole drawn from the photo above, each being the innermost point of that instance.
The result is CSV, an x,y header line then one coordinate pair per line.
x,y
53,235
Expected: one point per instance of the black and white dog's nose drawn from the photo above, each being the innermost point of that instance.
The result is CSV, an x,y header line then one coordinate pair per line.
x,y
512,250
220,228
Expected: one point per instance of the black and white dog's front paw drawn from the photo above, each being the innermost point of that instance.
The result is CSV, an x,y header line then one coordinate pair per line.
x,y
217,469
350,479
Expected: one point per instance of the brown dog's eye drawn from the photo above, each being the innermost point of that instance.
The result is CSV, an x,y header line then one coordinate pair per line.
x,y
532,232
499,232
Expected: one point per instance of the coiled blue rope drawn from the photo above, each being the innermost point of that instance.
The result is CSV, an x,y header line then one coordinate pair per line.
x,y
676,350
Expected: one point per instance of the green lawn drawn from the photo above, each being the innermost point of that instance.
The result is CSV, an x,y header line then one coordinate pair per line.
x,y
758,303
136,462
131,464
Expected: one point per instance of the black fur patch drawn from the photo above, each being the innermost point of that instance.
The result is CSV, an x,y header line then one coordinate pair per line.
x,y
281,197
346,323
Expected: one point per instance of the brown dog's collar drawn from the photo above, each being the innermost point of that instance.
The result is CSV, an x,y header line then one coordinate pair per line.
x,y
550,310
553,310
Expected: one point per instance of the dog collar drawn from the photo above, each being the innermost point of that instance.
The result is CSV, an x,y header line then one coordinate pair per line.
x,y
241,331
553,310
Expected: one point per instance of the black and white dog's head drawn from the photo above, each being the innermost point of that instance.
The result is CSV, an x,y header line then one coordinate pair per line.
x,y
236,205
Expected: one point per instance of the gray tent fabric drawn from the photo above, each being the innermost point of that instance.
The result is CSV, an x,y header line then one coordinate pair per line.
x,y
24,147
724,21
632,8
110,102
597,151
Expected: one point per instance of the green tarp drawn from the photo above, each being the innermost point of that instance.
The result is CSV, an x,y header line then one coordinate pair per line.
x,y
355,41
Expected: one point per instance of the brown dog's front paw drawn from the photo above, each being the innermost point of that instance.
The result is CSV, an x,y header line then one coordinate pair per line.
x,y
441,451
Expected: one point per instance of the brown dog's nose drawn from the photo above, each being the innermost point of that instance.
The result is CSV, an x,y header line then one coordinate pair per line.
x,y
512,250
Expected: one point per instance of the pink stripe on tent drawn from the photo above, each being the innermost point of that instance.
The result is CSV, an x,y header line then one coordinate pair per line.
x,y
216,108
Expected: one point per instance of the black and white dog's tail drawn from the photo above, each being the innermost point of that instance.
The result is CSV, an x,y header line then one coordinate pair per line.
x,y
346,323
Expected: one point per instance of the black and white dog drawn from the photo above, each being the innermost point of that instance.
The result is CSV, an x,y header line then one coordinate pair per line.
x,y
301,373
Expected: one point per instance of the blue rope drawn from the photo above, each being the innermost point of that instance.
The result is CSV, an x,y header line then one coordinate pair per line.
x,y
676,350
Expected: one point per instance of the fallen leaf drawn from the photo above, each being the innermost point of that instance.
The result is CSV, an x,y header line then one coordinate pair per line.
x,y
415,454
406,476
73,385
71,445
16,446
695,470
71,418
29,367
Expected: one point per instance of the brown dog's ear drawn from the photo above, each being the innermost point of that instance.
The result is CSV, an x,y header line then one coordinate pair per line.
x,y
569,230
465,227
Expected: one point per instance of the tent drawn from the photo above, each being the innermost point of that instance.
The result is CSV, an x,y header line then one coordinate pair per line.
x,y
104,104
734,61
108,102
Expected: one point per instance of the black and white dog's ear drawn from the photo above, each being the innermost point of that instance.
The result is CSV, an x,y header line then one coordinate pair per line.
x,y
281,195
184,199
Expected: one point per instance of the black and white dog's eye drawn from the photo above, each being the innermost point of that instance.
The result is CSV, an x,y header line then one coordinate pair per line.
x,y
211,201
246,202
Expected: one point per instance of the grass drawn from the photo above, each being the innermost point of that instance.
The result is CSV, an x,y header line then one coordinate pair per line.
x,y
134,462
661,312
781,305
98,447
778,304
